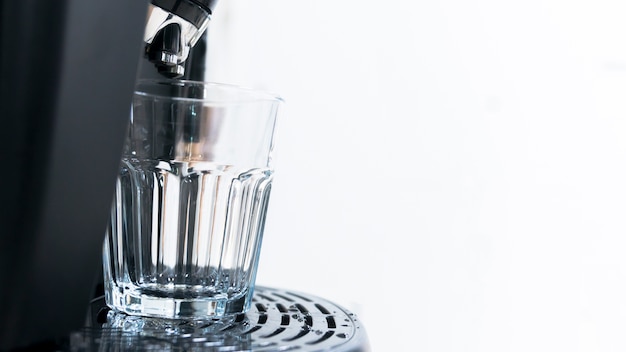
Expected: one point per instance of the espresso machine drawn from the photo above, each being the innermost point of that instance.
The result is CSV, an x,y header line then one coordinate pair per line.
x,y
68,71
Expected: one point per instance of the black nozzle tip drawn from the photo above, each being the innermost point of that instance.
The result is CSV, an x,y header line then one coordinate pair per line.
x,y
171,71
165,51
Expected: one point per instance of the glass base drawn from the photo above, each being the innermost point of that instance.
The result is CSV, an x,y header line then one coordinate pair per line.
x,y
134,302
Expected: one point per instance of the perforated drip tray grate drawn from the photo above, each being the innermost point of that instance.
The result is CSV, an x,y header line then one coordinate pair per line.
x,y
279,320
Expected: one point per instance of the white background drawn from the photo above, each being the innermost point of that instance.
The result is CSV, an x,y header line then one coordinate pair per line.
x,y
452,171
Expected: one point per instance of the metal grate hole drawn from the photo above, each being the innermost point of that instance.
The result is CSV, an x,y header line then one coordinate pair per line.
x,y
267,298
101,317
330,320
261,308
321,308
231,326
262,319
288,299
276,332
255,328
308,320
306,299
239,318
325,337
302,308
300,334
284,319
281,308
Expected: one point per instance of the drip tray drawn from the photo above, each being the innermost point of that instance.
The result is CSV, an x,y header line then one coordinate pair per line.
x,y
279,320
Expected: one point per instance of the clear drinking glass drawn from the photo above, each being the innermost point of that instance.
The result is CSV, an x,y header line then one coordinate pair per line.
x,y
191,199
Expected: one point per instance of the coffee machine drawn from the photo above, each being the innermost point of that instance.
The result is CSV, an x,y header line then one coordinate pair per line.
x,y
67,74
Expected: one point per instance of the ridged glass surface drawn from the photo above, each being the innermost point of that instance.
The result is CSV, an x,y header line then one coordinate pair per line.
x,y
184,238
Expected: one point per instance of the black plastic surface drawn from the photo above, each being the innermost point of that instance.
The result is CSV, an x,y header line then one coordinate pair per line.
x,y
68,69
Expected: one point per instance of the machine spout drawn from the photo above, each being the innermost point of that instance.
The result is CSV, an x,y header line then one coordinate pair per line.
x,y
173,27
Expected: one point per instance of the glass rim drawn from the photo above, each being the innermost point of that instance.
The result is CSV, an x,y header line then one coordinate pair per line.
x,y
239,94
